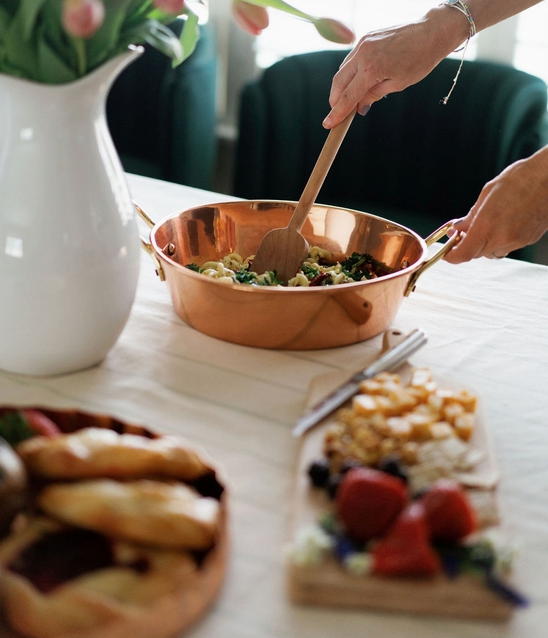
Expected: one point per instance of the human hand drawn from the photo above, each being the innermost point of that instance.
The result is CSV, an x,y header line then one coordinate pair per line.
x,y
392,59
511,212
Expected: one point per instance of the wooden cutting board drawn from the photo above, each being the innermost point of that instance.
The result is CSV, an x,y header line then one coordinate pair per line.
x,y
328,584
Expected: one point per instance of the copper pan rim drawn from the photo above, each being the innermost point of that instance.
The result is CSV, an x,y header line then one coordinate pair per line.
x,y
156,226
281,317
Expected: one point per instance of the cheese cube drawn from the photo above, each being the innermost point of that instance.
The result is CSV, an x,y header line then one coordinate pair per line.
x,y
464,425
451,411
467,400
399,427
402,399
441,430
421,423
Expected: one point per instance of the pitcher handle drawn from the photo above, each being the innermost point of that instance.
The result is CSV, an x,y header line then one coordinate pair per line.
x,y
431,239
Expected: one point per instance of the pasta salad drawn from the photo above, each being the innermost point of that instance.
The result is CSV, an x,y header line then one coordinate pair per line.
x,y
319,269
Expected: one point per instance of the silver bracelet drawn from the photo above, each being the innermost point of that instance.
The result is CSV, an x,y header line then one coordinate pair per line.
x,y
463,8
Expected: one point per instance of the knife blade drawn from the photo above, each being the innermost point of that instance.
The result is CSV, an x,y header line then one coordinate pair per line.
x,y
390,360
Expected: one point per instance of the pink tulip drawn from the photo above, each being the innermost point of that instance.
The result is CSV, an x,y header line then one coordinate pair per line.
x,y
249,17
172,7
82,18
334,31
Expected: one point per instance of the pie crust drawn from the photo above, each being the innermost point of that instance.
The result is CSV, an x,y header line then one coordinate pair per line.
x,y
122,599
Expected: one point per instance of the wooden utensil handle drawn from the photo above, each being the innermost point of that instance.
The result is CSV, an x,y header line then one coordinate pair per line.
x,y
319,172
391,338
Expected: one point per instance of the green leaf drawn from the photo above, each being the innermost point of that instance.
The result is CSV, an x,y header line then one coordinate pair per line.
x,y
28,14
159,36
5,20
20,53
107,40
51,67
14,428
60,43
280,5
139,9
189,37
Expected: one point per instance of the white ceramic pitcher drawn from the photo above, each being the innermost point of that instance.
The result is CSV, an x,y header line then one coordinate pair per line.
x,y
69,244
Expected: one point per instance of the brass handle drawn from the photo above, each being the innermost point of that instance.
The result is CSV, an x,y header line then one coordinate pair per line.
x,y
147,245
431,239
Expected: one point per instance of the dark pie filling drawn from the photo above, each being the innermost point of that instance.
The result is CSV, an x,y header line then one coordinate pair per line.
x,y
60,556
208,485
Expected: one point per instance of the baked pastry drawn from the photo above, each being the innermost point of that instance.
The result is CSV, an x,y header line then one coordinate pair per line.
x,y
58,581
168,515
136,544
100,452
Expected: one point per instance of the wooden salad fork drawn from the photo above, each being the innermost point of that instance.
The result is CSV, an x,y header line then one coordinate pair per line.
x,y
285,249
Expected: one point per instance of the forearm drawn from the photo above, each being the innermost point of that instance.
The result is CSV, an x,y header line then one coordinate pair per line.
x,y
486,13
450,27
391,59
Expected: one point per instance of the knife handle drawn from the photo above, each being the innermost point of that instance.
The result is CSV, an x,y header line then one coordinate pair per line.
x,y
392,338
397,356
391,359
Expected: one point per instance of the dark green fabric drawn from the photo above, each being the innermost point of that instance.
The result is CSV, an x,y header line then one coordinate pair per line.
x,y
163,119
410,159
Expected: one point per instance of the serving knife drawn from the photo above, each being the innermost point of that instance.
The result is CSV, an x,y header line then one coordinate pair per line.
x,y
390,360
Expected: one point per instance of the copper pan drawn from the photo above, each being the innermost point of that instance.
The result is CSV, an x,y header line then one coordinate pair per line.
x,y
280,317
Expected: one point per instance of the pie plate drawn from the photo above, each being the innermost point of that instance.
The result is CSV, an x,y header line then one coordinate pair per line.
x,y
165,615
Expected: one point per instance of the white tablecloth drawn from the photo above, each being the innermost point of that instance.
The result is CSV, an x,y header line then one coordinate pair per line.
x,y
487,327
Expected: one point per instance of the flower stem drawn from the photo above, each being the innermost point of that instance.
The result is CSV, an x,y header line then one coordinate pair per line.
x,y
81,58
280,5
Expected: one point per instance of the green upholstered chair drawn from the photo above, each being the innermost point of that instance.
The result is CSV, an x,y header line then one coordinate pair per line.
x,y
163,119
410,159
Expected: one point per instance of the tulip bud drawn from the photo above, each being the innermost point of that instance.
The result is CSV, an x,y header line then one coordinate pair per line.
x,y
172,7
334,31
82,18
250,17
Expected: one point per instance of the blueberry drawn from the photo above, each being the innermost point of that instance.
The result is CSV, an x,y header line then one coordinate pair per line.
x,y
343,547
318,471
393,466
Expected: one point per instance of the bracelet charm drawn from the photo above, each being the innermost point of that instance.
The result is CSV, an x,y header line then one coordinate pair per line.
x,y
463,8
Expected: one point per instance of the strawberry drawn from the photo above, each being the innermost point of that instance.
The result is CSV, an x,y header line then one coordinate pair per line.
x,y
405,549
448,511
368,501
40,424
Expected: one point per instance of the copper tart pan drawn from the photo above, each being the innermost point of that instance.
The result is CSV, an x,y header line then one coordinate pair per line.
x,y
167,615
280,317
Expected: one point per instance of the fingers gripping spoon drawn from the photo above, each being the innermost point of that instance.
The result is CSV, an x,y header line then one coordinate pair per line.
x,y
285,249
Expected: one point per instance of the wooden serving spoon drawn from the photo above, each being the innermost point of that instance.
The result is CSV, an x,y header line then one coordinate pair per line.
x,y
285,249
